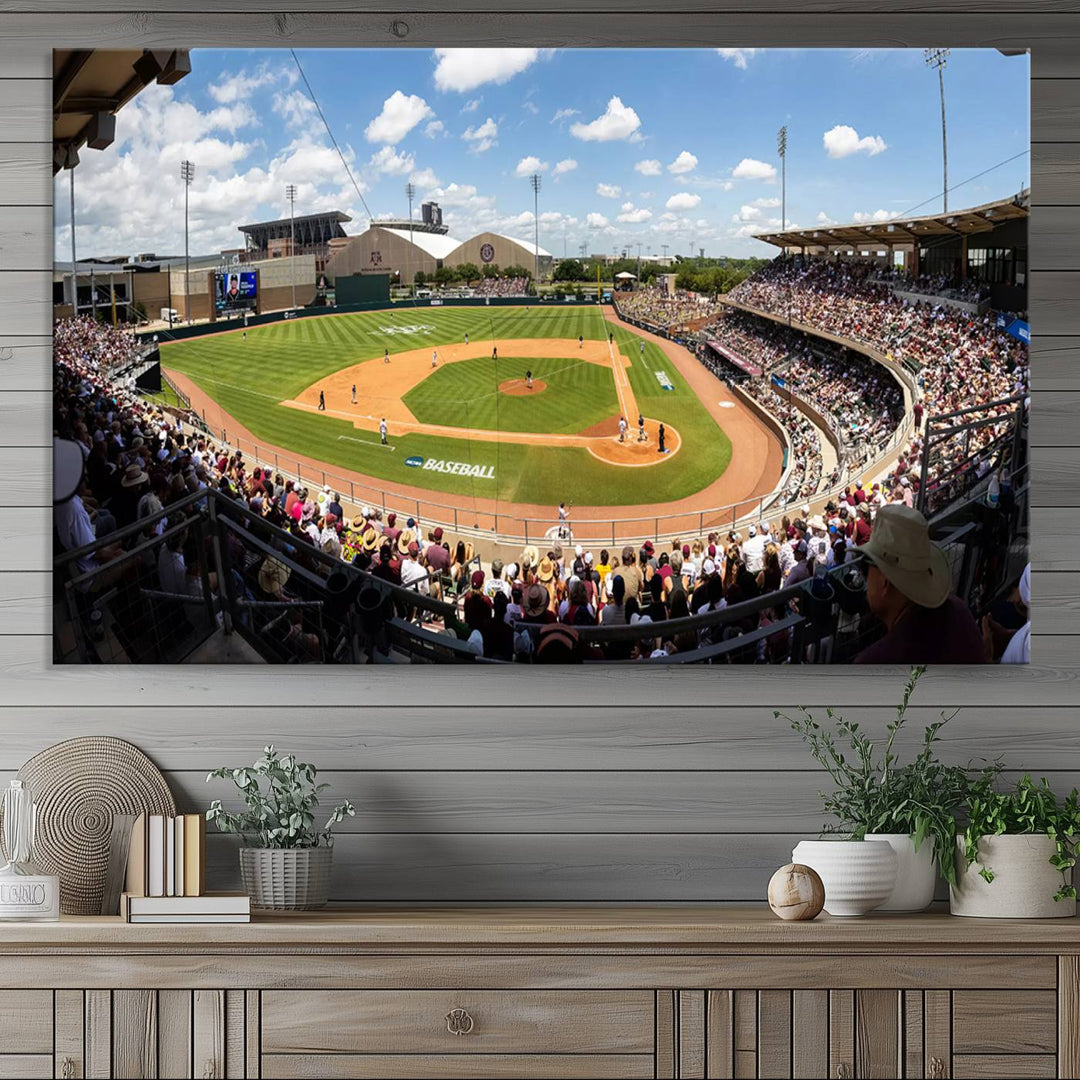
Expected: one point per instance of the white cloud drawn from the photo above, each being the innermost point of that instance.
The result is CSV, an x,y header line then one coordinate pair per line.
x,y
564,114
877,215
746,213
824,219
766,203
295,108
618,121
564,166
596,221
530,107
529,165
241,86
684,163
647,194
466,69
400,114
471,106
649,167
425,179
752,169
483,137
608,191
462,195
435,127
684,200
739,57
842,141
390,163
633,215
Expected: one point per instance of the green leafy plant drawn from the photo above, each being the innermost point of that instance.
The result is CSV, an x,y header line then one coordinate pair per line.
x,y
280,796
1027,809
874,793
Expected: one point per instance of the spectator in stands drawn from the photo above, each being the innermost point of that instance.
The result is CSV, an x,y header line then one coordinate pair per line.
x,y
908,588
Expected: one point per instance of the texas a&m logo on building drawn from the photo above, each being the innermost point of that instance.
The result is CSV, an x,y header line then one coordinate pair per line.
x,y
487,253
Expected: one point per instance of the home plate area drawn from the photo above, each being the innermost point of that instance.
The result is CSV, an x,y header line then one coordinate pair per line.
x,y
387,385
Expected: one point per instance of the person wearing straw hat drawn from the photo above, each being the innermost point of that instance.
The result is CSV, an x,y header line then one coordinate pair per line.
x,y
535,605
909,589
545,572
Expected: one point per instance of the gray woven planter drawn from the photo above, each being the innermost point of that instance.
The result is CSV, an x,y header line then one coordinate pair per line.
x,y
286,879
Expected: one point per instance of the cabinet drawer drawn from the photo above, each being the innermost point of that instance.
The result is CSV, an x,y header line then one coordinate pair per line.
x,y
1005,1066
457,1021
1004,1022
459,1066
26,1022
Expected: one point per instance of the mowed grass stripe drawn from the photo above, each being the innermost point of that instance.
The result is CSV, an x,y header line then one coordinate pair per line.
x,y
577,395
277,361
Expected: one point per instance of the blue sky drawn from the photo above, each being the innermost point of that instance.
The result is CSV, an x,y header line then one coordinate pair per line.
x,y
674,147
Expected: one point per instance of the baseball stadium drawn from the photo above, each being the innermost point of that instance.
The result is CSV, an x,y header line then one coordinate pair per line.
x,y
397,446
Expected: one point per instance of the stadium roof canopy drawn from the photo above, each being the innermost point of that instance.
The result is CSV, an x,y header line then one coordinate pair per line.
x,y
336,216
433,244
528,245
905,230
91,85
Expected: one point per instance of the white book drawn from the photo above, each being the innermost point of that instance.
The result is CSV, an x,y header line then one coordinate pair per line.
x,y
155,855
189,918
170,856
207,904
178,855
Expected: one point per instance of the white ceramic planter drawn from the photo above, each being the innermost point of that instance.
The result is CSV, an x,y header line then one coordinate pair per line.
x,y
1024,881
858,875
916,872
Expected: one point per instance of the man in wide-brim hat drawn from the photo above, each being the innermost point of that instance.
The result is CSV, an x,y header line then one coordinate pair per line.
x,y
273,575
545,572
909,588
535,601
404,540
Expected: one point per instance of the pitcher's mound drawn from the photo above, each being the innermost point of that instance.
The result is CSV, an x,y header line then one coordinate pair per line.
x,y
517,387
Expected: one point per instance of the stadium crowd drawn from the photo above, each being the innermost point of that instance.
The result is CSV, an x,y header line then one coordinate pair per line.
x,y
944,285
139,460
501,286
761,341
653,305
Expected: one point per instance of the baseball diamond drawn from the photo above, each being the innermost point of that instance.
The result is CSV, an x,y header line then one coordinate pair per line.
x,y
522,449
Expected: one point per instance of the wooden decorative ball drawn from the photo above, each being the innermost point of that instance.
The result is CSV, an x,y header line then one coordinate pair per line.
x,y
796,893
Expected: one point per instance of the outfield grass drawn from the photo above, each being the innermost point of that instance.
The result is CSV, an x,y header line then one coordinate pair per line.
x,y
463,394
250,378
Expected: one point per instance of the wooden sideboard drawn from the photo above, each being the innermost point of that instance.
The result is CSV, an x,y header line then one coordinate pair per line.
x,y
551,992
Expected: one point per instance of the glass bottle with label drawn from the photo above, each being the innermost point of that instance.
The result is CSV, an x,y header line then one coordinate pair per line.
x,y
25,891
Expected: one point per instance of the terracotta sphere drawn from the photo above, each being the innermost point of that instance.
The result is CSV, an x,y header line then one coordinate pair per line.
x,y
796,893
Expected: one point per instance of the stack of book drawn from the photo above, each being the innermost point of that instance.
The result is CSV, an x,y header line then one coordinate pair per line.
x,y
166,875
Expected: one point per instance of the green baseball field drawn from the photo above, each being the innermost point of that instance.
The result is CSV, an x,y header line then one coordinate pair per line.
x,y
469,426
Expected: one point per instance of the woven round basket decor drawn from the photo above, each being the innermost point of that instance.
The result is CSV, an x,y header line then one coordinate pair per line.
x,y
78,785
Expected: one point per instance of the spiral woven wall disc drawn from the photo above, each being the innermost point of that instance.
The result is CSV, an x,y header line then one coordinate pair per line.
x,y
78,785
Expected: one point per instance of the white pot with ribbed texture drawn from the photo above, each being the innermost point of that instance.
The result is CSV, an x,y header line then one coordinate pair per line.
x,y
916,872
858,875
1024,881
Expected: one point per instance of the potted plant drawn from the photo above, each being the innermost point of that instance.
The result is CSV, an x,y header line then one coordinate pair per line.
x,y
285,859
909,807
1017,852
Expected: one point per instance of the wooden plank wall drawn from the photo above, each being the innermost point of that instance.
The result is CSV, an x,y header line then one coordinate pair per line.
x,y
520,786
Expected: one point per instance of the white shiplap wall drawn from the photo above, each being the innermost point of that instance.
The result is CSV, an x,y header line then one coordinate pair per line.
x,y
518,786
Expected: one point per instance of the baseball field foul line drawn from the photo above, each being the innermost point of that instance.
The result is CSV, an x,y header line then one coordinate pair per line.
x,y
367,442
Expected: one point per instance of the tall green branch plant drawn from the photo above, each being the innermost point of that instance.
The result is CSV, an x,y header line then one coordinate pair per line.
x,y
874,792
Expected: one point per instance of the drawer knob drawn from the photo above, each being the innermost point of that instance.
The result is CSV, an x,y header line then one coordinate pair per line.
x,y
67,1069
459,1022
842,1071
937,1069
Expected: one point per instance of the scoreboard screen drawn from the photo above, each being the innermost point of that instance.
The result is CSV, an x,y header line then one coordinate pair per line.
x,y
235,291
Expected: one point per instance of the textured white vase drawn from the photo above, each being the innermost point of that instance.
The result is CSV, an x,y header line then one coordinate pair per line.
x,y
858,875
916,872
1024,881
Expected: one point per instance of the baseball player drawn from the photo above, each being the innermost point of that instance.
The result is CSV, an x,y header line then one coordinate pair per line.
x,y
528,380
622,429
466,337
382,430
434,357
580,341
641,436
386,356
354,393
322,402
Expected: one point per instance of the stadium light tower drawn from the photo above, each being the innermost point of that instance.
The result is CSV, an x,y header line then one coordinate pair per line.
x,y
410,194
187,174
534,181
290,194
781,149
935,58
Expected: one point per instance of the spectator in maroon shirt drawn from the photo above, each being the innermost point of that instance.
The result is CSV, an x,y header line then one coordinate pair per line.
x,y
909,588
477,607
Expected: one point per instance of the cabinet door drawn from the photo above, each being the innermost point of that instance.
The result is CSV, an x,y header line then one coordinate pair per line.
x,y
26,1021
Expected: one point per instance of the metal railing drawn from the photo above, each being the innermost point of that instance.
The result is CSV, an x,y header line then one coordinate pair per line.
x,y
293,603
